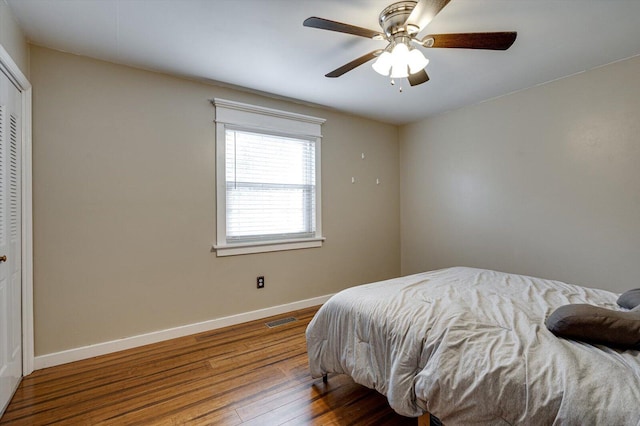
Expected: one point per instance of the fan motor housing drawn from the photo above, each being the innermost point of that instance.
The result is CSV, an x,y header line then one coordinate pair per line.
x,y
393,17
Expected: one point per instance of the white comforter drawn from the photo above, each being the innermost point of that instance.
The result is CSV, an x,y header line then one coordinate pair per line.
x,y
470,346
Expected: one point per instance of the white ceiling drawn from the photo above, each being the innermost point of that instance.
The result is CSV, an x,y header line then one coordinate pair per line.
x,y
262,45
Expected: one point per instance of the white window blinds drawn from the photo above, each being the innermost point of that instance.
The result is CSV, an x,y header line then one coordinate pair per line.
x,y
270,187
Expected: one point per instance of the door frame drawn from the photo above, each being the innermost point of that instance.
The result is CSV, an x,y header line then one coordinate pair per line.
x,y
12,70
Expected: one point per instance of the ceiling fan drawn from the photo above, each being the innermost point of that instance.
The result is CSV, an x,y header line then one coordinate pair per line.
x,y
401,23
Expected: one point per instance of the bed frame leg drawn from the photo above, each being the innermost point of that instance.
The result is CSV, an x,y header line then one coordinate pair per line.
x,y
325,379
424,420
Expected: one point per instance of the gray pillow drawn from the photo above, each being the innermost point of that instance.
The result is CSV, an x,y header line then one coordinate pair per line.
x,y
595,324
630,299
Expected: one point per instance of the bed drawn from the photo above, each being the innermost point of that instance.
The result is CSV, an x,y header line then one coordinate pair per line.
x,y
470,346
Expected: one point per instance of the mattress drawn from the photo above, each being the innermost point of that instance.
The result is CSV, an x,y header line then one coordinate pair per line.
x,y
470,346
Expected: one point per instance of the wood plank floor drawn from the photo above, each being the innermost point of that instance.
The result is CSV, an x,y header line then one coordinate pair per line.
x,y
246,374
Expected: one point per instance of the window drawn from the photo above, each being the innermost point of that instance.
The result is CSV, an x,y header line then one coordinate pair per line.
x,y
268,179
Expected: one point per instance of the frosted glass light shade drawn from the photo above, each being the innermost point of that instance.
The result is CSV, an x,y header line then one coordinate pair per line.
x,y
382,65
401,62
399,57
417,61
399,70
400,53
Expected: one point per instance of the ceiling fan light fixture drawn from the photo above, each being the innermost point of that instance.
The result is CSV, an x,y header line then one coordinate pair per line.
x,y
417,61
382,65
399,70
400,61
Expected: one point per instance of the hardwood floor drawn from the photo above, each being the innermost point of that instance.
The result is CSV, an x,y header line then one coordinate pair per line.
x,y
247,374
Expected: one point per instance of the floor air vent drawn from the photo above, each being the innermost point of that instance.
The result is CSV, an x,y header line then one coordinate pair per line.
x,y
282,321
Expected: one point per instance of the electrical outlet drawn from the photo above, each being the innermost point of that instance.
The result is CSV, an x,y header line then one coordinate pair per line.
x,y
260,282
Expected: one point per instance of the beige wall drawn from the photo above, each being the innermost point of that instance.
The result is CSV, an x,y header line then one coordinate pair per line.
x,y
543,182
124,206
12,39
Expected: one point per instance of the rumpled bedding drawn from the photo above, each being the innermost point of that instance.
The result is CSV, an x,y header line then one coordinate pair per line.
x,y
470,346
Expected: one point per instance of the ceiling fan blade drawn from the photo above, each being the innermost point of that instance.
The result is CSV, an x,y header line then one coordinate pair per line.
x,y
491,41
418,78
326,24
424,11
353,64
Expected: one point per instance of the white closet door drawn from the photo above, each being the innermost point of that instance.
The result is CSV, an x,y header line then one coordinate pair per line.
x,y
10,241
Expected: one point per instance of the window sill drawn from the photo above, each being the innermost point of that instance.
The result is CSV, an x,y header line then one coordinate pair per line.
x,y
267,246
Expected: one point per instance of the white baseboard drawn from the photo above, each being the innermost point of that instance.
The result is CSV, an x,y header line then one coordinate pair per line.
x,y
84,352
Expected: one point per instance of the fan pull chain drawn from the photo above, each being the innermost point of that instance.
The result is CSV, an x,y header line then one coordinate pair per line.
x,y
393,83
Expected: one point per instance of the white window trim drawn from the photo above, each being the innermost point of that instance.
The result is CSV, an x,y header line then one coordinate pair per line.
x,y
236,115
